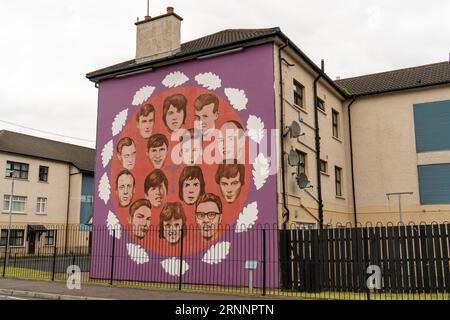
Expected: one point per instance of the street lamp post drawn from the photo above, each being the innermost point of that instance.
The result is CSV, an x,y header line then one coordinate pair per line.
x,y
8,247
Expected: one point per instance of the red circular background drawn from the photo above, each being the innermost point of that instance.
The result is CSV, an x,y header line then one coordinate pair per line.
x,y
193,241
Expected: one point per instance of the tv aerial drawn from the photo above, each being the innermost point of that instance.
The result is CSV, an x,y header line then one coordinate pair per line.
x,y
294,129
293,158
294,161
303,181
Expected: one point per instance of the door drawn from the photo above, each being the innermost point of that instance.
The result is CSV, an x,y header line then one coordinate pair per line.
x,y
32,242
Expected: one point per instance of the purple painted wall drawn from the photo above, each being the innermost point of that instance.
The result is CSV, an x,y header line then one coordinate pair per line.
x,y
252,71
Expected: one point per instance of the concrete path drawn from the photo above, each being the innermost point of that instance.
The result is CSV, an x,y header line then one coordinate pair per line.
x,y
59,291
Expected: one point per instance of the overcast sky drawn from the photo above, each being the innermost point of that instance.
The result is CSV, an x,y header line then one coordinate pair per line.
x,y
47,46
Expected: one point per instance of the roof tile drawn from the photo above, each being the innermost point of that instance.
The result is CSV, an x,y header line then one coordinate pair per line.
x,y
81,157
402,79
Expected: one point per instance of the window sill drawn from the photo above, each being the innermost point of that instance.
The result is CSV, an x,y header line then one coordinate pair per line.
x,y
323,111
340,197
337,139
17,179
41,214
15,213
302,109
39,181
325,173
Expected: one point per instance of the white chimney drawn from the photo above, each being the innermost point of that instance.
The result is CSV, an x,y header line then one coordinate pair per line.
x,y
158,37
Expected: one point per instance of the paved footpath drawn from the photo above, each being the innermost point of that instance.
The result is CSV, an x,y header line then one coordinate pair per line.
x,y
59,291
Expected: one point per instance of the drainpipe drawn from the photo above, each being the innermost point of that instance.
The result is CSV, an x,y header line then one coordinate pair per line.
x,y
351,159
286,212
317,138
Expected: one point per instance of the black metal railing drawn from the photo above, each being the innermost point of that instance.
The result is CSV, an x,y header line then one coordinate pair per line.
x,y
334,263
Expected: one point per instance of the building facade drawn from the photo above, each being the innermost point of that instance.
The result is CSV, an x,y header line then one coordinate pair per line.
x,y
319,152
53,192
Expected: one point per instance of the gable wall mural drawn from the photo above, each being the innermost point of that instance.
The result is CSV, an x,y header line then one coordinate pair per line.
x,y
175,193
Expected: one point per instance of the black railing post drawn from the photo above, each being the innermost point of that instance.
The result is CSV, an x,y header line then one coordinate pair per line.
x,y
180,280
264,261
112,256
284,247
55,248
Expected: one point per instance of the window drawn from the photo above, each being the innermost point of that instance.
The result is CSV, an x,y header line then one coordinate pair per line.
x,y
433,184
41,205
323,166
431,124
18,203
338,177
20,169
16,237
49,238
43,173
335,122
304,226
302,163
298,94
321,104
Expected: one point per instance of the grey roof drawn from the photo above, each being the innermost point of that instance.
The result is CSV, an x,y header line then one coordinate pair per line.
x,y
396,80
18,143
209,42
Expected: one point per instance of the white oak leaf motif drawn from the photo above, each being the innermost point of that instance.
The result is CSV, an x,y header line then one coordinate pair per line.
x,y
260,171
217,253
137,253
209,80
107,153
172,266
237,98
113,225
247,218
175,79
104,188
119,122
142,95
255,128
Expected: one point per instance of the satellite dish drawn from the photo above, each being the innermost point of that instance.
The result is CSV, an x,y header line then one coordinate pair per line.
x,y
302,181
295,129
293,158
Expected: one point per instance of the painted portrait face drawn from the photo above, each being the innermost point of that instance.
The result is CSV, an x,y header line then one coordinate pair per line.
x,y
157,156
191,152
231,143
128,157
125,189
172,230
140,222
231,188
157,195
145,125
191,190
208,219
174,118
206,118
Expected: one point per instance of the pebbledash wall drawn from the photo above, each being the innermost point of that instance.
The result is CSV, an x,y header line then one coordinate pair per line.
x,y
244,85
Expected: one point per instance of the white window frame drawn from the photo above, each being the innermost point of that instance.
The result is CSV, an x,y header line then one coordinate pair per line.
x,y
41,205
7,198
